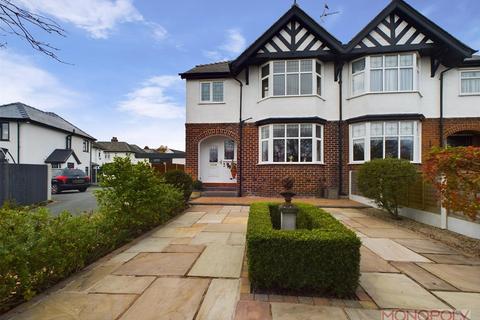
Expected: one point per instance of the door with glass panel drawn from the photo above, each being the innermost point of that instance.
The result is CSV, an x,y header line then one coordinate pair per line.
x,y
218,160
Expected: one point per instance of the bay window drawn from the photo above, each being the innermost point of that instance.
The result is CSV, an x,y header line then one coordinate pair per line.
x,y
470,82
291,143
385,139
291,78
385,73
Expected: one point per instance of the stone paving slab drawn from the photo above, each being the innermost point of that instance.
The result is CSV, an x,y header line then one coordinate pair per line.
x,y
397,291
236,220
158,264
213,218
150,245
465,278
186,220
122,257
453,259
208,238
370,262
425,246
180,240
220,301
226,228
252,310
291,311
363,314
462,301
392,251
422,276
169,299
86,279
180,248
237,239
122,284
180,232
370,222
219,261
78,306
390,233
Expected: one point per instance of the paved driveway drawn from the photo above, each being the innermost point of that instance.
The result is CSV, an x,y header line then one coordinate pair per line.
x,y
194,268
73,201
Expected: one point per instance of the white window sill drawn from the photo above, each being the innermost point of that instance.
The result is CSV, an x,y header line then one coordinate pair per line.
x,y
362,162
469,94
291,96
207,103
384,92
289,163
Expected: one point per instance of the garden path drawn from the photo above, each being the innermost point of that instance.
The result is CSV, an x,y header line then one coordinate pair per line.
x,y
194,268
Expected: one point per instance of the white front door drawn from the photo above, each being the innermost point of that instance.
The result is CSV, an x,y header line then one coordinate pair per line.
x,y
218,160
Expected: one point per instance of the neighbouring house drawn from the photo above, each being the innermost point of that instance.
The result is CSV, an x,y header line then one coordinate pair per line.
x,y
121,149
299,102
32,136
164,160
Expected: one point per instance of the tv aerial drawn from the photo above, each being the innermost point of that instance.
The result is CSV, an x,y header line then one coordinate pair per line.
x,y
326,12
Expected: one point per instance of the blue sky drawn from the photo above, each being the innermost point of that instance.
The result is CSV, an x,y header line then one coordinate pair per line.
x,y
125,55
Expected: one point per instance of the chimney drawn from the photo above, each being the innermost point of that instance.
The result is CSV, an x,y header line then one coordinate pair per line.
x,y
146,148
114,139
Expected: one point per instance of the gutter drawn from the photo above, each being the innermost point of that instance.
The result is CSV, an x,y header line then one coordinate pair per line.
x,y
440,126
240,138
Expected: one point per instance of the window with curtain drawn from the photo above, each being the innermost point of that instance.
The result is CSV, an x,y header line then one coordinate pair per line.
x,y
291,78
4,131
291,143
358,76
385,73
211,91
470,82
384,139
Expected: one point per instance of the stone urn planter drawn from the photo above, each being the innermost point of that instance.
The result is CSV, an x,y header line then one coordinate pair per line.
x,y
288,212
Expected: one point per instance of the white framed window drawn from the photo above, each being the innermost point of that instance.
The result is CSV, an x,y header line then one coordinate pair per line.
x,y
4,131
211,92
385,73
291,143
283,78
385,139
86,145
470,82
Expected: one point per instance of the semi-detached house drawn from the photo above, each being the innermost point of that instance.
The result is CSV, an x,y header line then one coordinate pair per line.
x,y
299,102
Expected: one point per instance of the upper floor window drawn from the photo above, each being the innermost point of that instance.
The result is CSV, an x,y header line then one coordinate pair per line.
x,y
4,131
211,91
385,73
384,139
86,146
291,143
291,78
470,82
68,142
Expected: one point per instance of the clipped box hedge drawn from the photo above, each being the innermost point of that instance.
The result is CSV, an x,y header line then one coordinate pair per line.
x,y
321,256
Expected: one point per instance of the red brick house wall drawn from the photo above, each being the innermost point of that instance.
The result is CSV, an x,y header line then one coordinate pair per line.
x,y
310,180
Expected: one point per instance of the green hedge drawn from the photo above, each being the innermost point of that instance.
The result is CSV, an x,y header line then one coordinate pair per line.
x,y
37,249
321,256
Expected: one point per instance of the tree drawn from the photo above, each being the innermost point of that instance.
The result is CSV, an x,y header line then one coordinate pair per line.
x,y
455,173
386,182
19,22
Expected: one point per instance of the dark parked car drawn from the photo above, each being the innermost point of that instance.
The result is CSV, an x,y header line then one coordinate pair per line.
x,y
70,179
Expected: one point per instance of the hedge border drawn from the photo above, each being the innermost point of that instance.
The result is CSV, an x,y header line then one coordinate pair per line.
x,y
282,260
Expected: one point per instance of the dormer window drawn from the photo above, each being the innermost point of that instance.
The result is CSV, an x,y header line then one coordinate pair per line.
x,y
291,78
385,73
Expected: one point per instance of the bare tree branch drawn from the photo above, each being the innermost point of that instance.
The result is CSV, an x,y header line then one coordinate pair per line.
x,y
17,21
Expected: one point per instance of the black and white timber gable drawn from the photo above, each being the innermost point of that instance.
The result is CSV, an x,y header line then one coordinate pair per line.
x,y
294,37
393,31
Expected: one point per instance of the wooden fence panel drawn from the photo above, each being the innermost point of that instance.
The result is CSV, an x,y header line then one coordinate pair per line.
x,y
23,184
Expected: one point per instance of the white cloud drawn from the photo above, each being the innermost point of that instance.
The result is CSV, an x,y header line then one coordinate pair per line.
x,y
154,98
233,45
25,82
98,17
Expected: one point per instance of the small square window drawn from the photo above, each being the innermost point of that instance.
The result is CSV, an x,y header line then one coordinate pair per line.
x,y
391,61
306,65
358,65
292,66
279,67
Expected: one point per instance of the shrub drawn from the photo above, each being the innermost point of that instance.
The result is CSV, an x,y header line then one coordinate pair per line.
x,y
180,180
386,182
460,186
322,255
197,185
37,250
